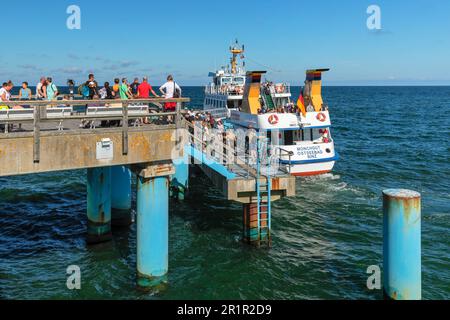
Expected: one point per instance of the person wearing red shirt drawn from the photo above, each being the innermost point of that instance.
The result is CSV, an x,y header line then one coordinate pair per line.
x,y
144,89
143,92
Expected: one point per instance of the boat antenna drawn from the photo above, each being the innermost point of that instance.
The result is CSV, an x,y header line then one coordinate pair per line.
x,y
235,50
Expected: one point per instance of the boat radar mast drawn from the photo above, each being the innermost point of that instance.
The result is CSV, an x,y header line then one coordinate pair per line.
x,y
236,50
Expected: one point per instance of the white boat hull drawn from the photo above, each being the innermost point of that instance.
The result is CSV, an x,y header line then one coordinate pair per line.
x,y
311,169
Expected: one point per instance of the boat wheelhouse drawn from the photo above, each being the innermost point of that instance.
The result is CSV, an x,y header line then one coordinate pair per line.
x,y
226,90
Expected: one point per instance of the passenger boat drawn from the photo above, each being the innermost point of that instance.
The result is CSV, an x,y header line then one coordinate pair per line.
x,y
299,135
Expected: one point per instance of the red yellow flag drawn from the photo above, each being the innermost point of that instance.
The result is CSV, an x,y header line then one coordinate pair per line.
x,y
301,104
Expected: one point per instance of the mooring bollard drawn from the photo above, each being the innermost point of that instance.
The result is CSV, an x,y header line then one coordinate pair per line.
x,y
401,245
120,196
152,230
98,205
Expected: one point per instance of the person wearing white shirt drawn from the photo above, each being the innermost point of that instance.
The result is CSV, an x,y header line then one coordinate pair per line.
x,y
170,90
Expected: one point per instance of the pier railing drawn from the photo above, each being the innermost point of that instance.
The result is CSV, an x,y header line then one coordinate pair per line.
x,y
35,116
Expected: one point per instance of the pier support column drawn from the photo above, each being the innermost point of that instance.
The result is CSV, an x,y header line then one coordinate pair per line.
x,y
120,196
180,180
98,205
153,225
254,234
401,245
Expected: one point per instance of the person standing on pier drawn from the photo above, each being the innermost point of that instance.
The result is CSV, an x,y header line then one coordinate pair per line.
x,y
124,90
92,85
41,89
170,90
134,87
106,92
52,90
144,89
143,92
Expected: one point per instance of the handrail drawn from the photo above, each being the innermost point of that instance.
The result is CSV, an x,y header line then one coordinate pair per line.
x,y
289,154
82,102
233,151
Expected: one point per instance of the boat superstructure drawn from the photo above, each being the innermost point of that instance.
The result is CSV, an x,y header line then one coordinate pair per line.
x,y
299,135
226,90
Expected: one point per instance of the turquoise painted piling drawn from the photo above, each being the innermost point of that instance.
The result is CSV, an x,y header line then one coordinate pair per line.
x,y
98,204
180,180
120,196
401,244
152,230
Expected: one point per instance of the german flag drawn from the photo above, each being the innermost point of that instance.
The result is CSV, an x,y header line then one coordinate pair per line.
x,y
301,104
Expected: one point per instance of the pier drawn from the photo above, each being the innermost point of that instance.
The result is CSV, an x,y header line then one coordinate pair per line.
x,y
159,154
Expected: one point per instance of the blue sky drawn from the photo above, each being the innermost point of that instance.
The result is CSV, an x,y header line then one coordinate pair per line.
x,y
190,38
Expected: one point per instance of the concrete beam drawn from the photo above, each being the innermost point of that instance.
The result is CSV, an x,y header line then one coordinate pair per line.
x,y
243,190
77,149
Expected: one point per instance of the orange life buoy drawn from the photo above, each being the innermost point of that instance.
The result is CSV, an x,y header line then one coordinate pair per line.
x,y
273,119
321,117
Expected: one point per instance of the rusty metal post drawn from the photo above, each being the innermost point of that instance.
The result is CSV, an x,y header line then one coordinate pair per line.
x,y
98,204
152,230
401,244
120,196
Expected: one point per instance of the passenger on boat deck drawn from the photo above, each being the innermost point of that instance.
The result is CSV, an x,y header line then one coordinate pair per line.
x,y
134,87
24,92
325,135
41,89
220,126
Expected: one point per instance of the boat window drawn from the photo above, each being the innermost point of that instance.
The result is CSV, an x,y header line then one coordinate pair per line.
x,y
288,137
316,135
226,80
239,80
306,135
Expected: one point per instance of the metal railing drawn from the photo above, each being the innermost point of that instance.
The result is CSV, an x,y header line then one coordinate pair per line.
x,y
39,108
286,153
278,88
225,90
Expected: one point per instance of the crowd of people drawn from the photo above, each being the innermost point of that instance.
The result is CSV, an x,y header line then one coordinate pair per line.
x,y
206,119
46,90
121,89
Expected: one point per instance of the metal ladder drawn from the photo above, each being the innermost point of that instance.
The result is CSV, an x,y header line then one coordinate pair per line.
x,y
263,190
